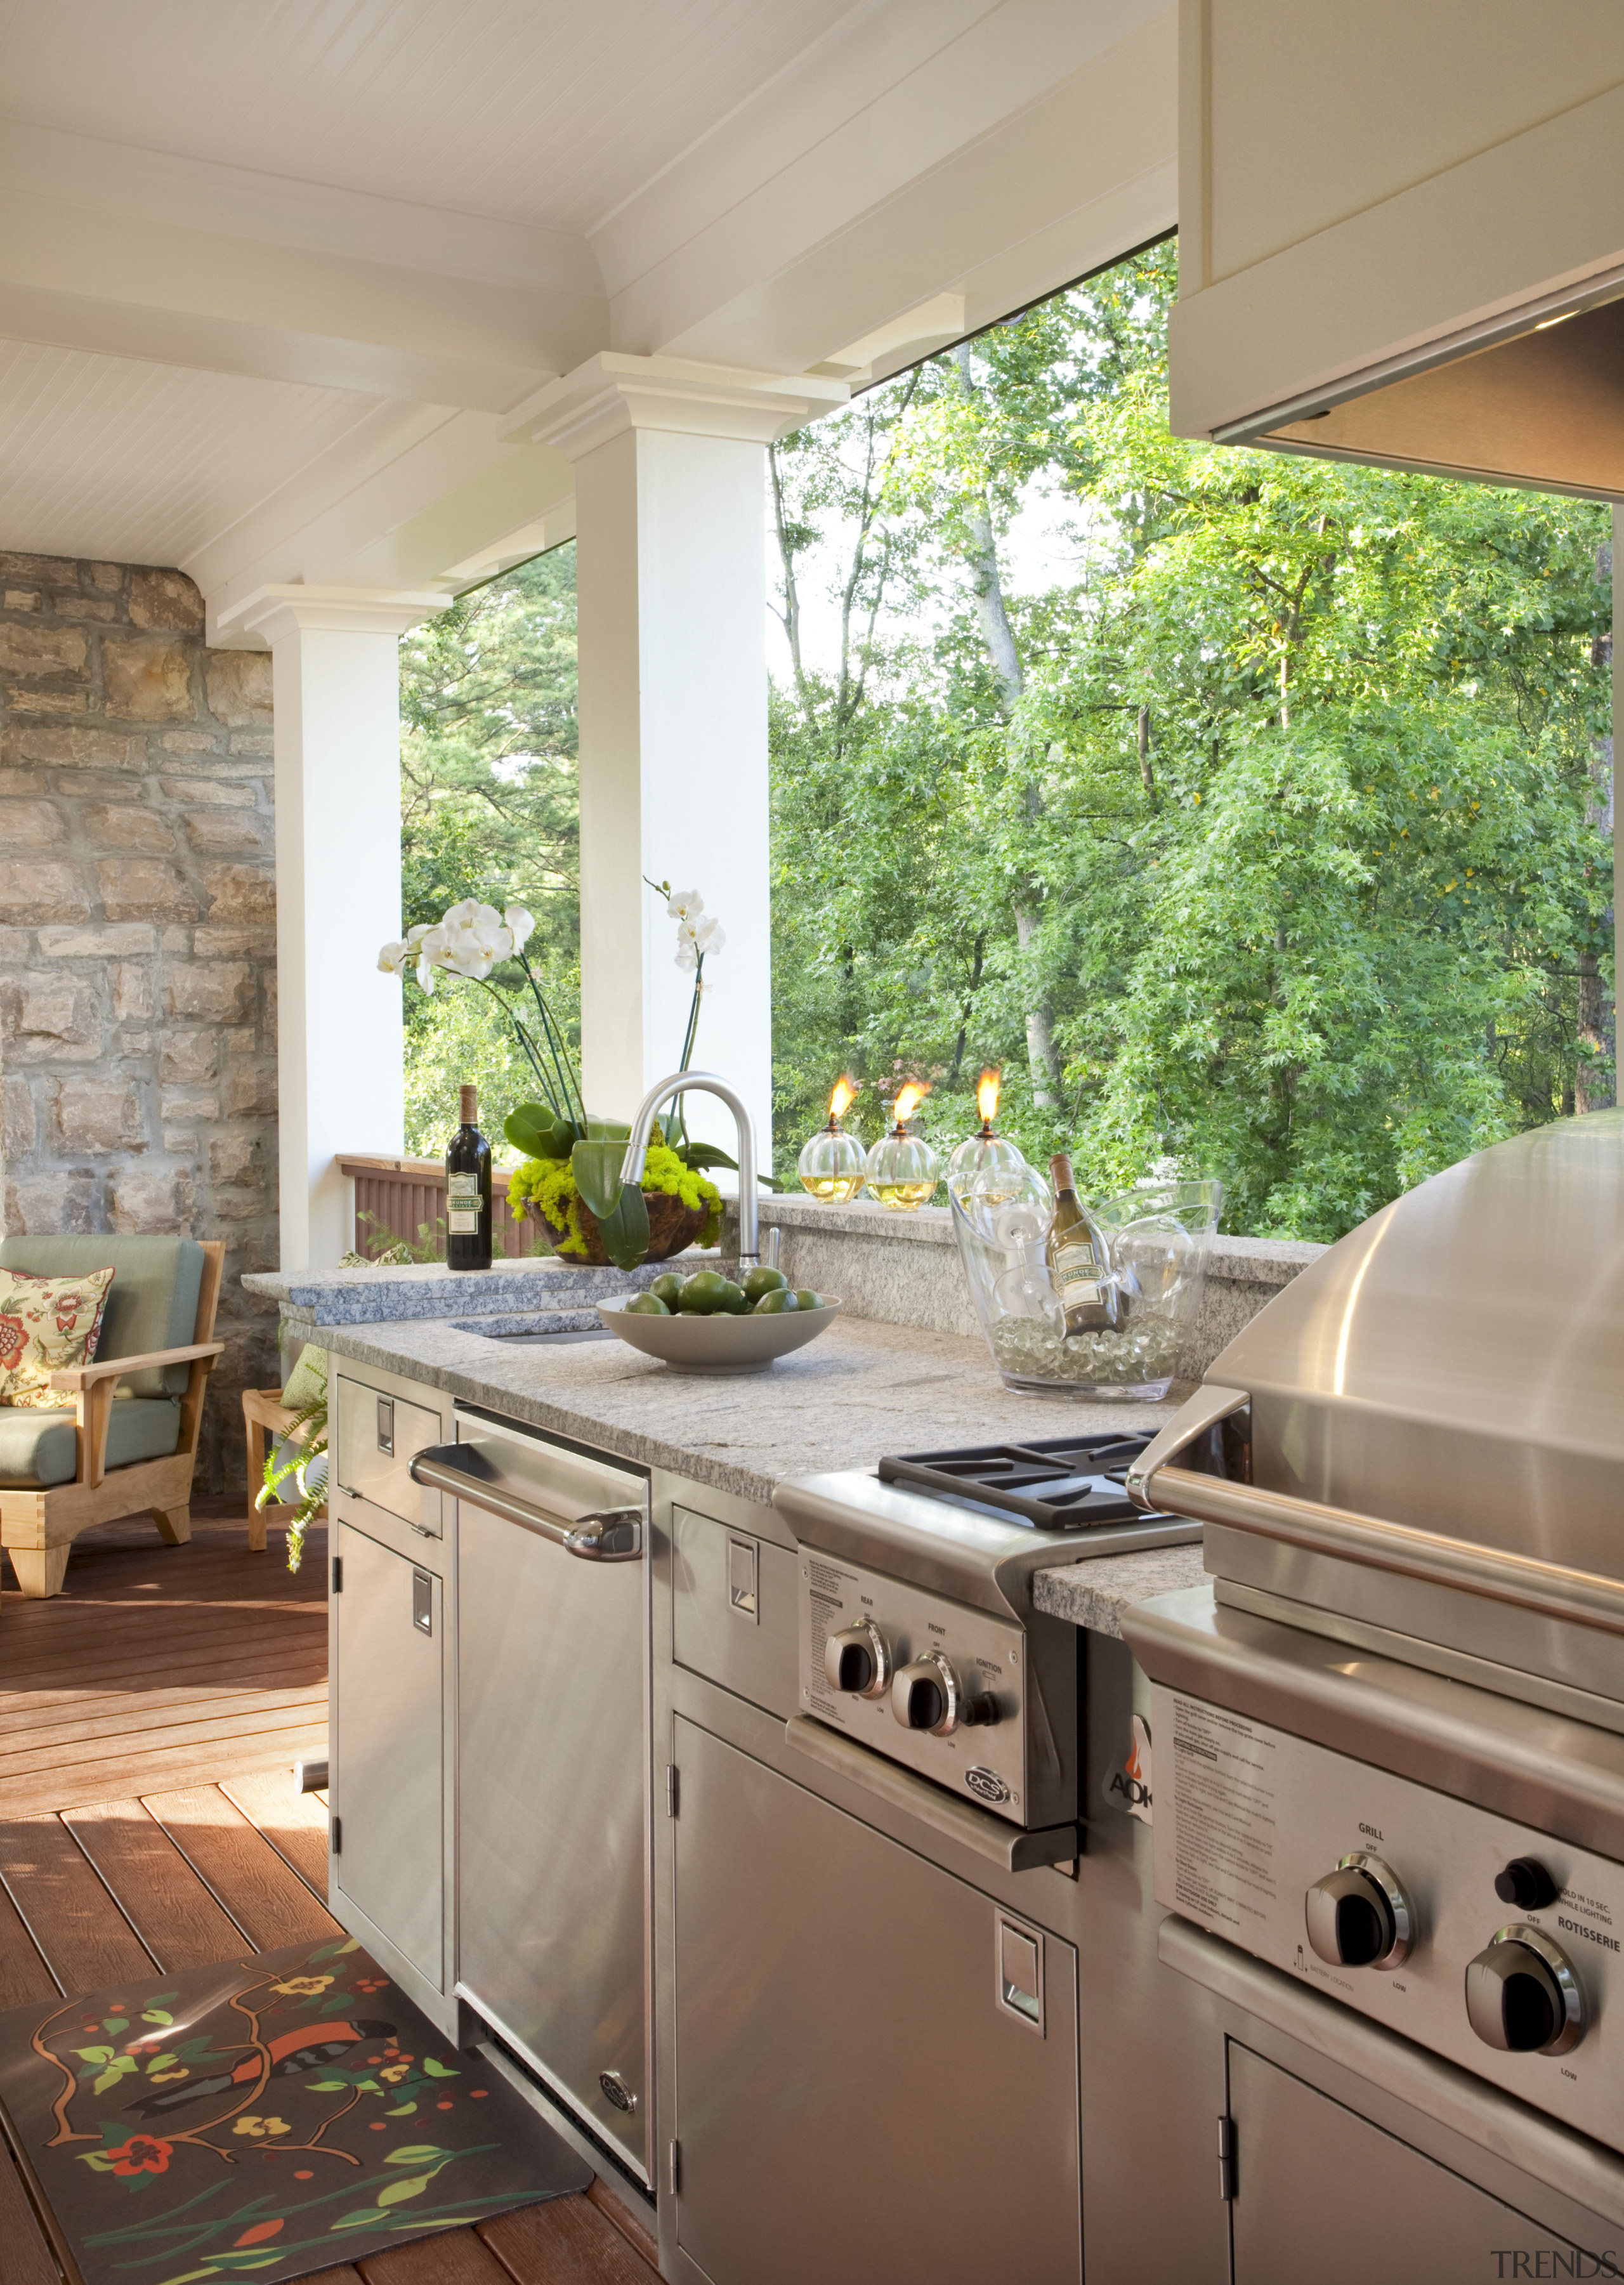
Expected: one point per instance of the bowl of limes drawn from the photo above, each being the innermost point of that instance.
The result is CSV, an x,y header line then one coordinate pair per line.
x,y
710,1323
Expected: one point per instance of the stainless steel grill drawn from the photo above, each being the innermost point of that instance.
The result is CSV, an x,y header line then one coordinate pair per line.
x,y
1423,1435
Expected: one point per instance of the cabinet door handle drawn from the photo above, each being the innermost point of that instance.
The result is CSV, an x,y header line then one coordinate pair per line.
x,y
608,1535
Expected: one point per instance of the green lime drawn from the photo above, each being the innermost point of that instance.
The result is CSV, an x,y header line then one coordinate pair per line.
x,y
805,1298
758,1282
667,1289
702,1294
645,1305
775,1303
731,1301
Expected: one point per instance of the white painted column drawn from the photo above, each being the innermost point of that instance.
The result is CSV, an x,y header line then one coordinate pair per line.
x,y
336,680
671,535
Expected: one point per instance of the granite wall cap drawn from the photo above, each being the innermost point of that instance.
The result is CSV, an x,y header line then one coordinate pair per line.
x,y
428,1289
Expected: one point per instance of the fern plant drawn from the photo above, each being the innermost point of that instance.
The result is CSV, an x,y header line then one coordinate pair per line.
x,y
300,1455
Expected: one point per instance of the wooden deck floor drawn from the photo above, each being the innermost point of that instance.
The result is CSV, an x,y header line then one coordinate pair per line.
x,y
149,1719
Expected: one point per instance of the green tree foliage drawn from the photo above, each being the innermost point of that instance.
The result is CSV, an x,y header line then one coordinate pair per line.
x,y
489,810
1273,847
1274,844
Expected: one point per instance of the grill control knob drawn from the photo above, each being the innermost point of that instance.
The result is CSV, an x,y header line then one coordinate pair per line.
x,y
1526,1883
1358,1916
925,1695
1522,1994
856,1661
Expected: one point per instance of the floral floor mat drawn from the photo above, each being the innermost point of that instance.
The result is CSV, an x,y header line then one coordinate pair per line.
x,y
266,2118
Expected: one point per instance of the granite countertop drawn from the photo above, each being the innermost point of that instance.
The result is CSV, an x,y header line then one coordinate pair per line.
x,y
860,1389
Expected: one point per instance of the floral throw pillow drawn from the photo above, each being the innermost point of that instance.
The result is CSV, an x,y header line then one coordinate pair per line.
x,y
47,1324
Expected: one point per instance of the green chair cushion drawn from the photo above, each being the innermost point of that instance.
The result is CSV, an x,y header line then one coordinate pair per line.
x,y
38,1449
153,1303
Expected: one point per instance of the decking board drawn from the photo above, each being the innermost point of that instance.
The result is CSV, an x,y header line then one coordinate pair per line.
x,y
264,1896
171,1911
296,1824
83,1937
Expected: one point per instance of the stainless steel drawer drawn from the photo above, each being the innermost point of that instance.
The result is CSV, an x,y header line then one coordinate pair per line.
x,y
377,1436
733,1610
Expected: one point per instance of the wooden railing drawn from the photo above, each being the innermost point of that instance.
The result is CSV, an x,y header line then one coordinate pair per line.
x,y
402,1200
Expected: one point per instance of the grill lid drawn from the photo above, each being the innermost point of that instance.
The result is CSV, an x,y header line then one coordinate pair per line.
x,y
1456,1364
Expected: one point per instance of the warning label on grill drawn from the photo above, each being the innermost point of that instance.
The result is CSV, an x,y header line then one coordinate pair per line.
x,y
1224,1794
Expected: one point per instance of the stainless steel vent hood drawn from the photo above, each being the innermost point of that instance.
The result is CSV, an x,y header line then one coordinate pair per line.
x,y
1535,399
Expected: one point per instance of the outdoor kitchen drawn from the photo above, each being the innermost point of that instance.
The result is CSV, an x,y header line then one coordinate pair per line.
x,y
812,1311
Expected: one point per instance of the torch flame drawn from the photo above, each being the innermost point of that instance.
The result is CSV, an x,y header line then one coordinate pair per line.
x,y
986,1096
843,1096
908,1101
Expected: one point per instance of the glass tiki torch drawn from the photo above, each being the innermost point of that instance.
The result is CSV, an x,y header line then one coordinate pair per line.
x,y
983,1151
902,1168
831,1166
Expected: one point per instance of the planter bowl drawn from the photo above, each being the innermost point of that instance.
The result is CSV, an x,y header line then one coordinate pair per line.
x,y
714,1345
671,1226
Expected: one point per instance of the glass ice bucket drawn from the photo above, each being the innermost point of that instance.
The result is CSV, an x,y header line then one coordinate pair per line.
x,y
1158,1237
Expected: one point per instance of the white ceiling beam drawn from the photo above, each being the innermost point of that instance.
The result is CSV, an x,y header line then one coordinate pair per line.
x,y
1027,120
404,505
167,292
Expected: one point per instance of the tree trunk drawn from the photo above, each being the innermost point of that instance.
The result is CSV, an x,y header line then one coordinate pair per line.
x,y
981,551
791,613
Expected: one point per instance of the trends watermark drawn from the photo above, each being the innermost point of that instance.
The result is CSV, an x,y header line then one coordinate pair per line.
x,y
1556,2261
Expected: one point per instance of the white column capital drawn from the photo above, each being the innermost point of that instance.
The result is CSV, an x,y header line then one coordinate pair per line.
x,y
275,611
614,392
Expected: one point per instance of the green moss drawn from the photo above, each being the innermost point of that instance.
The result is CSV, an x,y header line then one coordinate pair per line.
x,y
546,1186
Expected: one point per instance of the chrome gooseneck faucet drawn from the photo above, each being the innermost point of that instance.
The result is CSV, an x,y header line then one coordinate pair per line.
x,y
702,1083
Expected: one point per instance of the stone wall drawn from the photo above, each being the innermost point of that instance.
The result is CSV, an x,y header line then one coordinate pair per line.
x,y
137,941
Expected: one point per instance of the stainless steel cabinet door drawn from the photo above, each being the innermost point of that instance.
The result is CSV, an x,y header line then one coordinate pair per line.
x,y
1323,2194
390,1785
853,2094
552,1814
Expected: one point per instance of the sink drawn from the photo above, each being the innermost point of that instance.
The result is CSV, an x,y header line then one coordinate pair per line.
x,y
556,1330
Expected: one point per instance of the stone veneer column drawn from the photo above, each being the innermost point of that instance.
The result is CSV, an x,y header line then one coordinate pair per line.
x,y
138,967
339,1035
671,588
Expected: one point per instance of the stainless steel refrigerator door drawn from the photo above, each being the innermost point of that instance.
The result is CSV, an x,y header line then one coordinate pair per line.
x,y
1323,2194
388,1753
553,1817
868,2080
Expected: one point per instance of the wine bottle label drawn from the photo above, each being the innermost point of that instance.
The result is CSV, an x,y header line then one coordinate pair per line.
x,y
1076,1273
462,1205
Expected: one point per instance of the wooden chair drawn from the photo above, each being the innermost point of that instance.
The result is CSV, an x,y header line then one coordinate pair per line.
x,y
41,1512
264,1417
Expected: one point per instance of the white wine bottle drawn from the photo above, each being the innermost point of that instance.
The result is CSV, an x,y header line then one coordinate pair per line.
x,y
467,1191
1079,1266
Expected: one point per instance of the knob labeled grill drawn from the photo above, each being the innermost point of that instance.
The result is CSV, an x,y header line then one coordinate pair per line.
x,y
857,1662
1358,1916
1522,1994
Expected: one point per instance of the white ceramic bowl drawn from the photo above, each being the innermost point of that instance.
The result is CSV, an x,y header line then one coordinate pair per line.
x,y
719,1344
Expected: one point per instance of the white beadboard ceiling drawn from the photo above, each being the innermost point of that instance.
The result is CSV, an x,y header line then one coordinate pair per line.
x,y
277,276
549,112
145,463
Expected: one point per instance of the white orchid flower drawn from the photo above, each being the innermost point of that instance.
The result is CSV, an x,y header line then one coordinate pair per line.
x,y
393,959
520,921
685,904
414,936
687,959
430,948
708,937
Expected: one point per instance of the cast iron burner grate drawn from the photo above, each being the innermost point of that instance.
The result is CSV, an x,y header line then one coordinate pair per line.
x,y
1065,1483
